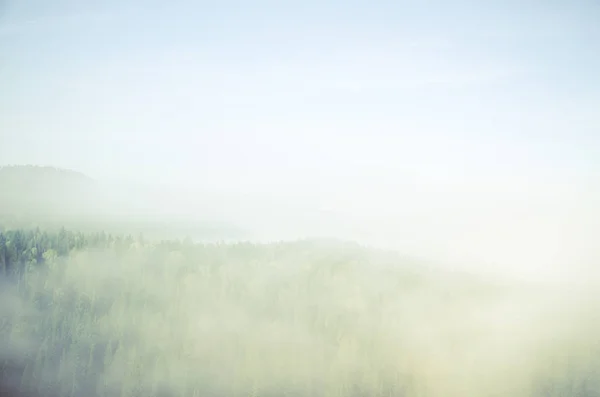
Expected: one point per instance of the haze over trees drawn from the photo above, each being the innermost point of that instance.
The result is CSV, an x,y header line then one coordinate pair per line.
x,y
92,312
299,199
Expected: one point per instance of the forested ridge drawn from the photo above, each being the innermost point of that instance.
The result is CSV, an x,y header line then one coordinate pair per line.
x,y
21,247
92,312
35,246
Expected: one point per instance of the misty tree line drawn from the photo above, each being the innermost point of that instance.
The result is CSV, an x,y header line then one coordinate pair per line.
x,y
22,247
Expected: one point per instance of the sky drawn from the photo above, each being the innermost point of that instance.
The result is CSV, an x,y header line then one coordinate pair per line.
x,y
392,111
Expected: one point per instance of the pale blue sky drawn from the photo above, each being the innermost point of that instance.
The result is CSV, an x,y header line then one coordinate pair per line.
x,y
380,101
313,87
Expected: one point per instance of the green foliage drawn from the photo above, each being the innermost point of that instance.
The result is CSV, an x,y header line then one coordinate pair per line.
x,y
20,247
104,314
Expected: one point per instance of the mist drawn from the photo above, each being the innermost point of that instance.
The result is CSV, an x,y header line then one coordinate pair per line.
x,y
460,133
305,318
538,229
311,199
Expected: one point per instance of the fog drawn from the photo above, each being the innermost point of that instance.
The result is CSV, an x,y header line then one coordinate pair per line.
x,y
389,199
463,295
538,230
305,318
462,133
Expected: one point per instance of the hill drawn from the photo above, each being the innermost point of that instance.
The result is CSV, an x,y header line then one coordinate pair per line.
x,y
52,197
34,191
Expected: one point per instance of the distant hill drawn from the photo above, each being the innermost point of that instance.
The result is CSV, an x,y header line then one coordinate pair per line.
x,y
35,174
43,191
52,197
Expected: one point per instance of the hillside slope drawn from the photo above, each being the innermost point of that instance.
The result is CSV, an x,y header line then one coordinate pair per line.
x,y
53,197
40,191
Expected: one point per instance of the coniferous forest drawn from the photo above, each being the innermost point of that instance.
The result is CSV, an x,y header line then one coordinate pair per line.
x,y
96,314
108,314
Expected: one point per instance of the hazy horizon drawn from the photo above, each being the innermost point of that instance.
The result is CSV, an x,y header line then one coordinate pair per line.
x,y
459,131
341,199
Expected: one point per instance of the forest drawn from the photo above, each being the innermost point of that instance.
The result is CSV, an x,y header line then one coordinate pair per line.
x,y
119,315
98,307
